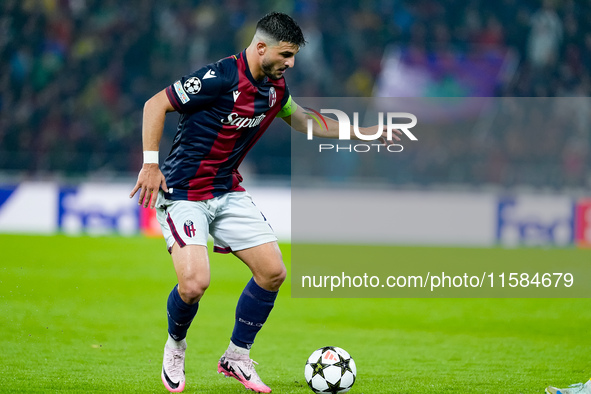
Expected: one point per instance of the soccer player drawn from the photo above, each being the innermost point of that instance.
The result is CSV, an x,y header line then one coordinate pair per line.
x,y
578,388
224,109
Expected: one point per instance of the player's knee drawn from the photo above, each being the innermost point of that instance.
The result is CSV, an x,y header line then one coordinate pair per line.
x,y
275,278
191,291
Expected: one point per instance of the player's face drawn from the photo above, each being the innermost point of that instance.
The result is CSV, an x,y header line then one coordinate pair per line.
x,y
279,58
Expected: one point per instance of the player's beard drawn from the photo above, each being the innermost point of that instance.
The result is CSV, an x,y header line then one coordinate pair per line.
x,y
270,71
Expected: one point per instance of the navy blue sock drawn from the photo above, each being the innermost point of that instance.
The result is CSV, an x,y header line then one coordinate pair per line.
x,y
180,315
252,311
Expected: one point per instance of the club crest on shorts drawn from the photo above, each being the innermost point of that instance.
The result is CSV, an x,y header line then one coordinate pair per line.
x,y
272,96
189,228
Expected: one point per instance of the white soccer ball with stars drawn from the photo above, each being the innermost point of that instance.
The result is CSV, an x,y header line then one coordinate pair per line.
x,y
330,370
192,85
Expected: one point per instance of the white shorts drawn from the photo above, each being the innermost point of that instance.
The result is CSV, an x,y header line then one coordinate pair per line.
x,y
232,219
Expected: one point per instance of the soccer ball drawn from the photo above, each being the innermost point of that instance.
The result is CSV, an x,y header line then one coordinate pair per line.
x,y
330,369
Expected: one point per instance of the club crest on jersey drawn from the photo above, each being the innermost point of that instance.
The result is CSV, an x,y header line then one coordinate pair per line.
x,y
272,96
192,85
189,228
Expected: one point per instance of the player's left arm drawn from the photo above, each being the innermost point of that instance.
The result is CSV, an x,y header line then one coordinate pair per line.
x,y
297,117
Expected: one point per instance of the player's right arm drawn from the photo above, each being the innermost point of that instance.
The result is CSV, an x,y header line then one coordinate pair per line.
x,y
150,178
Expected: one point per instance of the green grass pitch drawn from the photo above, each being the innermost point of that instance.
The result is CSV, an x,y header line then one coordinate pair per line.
x,y
88,315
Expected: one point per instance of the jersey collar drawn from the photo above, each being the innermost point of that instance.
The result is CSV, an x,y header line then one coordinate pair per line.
x,y
249,74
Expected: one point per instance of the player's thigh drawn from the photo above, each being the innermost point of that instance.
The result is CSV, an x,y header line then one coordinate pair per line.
x,y
191,264
183,222
239,224
185,226
266,264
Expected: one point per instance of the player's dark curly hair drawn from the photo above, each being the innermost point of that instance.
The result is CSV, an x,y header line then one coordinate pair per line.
x,y
281,27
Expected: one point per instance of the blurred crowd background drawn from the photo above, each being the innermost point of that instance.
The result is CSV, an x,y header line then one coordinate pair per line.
x,y
74,75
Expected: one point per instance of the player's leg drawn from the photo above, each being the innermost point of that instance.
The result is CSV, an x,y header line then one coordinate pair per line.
x,y
253,309
243,230
191,265
579,388
185,228
192,268
258,297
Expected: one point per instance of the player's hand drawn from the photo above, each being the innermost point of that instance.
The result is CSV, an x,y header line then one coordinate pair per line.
x,y
149,180
383,139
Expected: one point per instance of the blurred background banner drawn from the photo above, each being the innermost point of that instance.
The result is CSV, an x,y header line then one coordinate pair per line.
x,y
105,209
501,91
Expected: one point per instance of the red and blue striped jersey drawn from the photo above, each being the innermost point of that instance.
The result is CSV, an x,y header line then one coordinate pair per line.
x,y
223,113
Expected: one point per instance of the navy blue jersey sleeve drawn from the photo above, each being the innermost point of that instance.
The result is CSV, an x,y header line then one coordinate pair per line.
x,y
195,91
